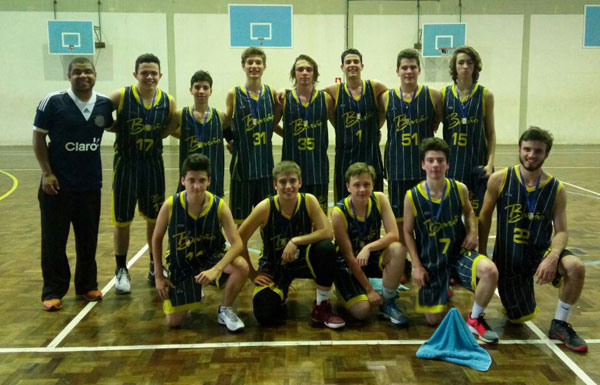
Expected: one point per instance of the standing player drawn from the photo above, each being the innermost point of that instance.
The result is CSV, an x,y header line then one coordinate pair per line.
x,y
200,131
362,252
440,246
253,117
296,244
69,192
145,115
469,125
357,126
195,219
305,138
530,202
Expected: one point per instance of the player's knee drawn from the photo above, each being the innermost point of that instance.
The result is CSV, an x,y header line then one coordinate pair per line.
x,y
267,307
488,271
575,269
433,319
360,310
240,267
394,250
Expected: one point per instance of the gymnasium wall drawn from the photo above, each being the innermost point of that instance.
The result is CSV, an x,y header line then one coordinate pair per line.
x,y
533,60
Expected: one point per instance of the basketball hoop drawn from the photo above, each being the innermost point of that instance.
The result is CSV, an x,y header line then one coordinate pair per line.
x,y
260,40
71,47
446,51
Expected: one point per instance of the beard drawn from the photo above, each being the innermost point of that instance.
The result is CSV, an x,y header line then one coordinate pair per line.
x,y
531,168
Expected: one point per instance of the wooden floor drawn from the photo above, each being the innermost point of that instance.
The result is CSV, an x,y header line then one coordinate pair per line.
x,y
123,338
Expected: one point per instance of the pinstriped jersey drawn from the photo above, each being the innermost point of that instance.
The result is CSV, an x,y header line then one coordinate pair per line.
x,y
139,127
438,241
279,229
361,229
408,124
519,238
305,138
252,156
468,142
357,139
199,138
192,239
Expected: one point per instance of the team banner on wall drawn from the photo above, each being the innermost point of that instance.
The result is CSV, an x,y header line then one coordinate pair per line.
x,y
591,26
260,25
70,37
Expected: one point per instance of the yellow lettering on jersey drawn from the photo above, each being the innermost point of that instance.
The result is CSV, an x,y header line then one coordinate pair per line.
x,y
249,121
183,242
401,121
298,126
136,126
434,227
521,236
194,144
350,118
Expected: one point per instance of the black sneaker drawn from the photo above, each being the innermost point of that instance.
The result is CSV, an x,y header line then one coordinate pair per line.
x,y
151,273
563,331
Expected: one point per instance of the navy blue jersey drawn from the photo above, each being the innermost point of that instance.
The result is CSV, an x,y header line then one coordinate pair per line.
x,y
523,233
361,230
305,138
465,131
279,229
200,137
438,240
357,129
192,239
74,148
138,135
408,124
252,127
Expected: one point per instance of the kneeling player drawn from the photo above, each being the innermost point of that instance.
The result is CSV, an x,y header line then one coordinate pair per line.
x,y
296,244
362,251
440,246
197,254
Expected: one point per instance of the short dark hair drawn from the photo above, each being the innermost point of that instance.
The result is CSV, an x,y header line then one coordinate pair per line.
x,y
538,134
408,53
201,76
254,51
351,51
434,144
477,67
80,60
359,168
196,162
146,58
286,167
312,62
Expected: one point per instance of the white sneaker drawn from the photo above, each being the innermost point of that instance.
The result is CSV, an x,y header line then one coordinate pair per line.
x,y
122,285
228,318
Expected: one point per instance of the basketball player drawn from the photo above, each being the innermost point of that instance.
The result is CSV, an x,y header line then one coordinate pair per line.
x,y
74,121
145,115
296,244
530,203
441,247
362,252
305,138
253,116
357,125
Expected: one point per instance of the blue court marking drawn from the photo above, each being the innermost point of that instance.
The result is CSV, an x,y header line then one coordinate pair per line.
x,y
260,25
591,26
592,263
436,36
70,37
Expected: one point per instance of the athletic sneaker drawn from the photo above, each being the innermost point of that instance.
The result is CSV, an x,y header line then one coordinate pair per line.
x,y
122,286
323,314
390,310
481,329
228,318
151,273
563,331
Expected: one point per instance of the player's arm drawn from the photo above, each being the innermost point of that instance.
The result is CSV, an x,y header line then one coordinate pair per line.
x,y
419,274
391,231
173,123
280,103
277,110
546,270
257,217
176,133
490,133
227,120
330,101
162,220
438,107
378,89
383,105
231,232
40,149
487,209
115,99
470,242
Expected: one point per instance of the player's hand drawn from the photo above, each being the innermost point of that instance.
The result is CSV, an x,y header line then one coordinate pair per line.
x,y
230,146
290,253
162,285
374,297
363,257
262,279
207,276
546,270
488,171
471,242
50,184
280,97
420,275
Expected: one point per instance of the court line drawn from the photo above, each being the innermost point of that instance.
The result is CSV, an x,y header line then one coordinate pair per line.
x,y
14,186
90,305
581,188
583,195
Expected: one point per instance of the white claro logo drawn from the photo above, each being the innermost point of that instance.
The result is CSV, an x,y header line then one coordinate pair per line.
x,y
77,146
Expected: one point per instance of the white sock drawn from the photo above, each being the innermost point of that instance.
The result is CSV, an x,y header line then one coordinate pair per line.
x,y
322,295
223,308
562,311
388,293
476,311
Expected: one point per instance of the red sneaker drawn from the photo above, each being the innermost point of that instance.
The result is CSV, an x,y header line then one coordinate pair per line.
x,y
323,314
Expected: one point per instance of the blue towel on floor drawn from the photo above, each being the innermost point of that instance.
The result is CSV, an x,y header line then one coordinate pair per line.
x,y
453,342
